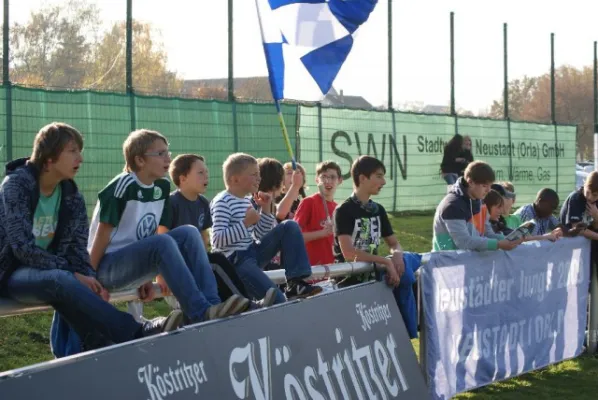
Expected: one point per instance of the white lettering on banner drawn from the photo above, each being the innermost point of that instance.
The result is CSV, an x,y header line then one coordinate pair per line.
x,y
372,372
160,385
373,314
481,291
505,338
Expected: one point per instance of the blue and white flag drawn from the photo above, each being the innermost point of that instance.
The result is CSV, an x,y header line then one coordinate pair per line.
x,y
307,41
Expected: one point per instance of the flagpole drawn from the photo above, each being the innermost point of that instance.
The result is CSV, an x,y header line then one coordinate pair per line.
x,y
285,134
283,126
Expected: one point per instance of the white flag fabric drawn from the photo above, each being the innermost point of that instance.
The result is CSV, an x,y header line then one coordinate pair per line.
x,y
306,43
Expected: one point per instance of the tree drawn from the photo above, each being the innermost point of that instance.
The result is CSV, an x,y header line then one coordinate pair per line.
x,y
211,93
54,47
520,95
150,74
60,46
530,100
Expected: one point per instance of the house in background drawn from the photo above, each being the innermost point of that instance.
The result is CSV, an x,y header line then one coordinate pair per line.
x,y
258,89
434,109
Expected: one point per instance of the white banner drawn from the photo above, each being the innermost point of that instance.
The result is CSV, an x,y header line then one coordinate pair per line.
x,y
494,315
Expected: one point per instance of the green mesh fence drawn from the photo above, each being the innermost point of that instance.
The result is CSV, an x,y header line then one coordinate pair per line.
x,y
409,144
411,147
191,126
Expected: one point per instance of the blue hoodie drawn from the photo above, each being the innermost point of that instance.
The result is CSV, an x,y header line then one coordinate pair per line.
x,y
19,195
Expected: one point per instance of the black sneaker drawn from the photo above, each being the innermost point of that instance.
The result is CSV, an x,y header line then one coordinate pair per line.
x,y
163,324
298,289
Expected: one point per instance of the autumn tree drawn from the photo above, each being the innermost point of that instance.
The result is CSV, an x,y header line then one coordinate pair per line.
x,y
211,93
150,73
521,93
54,47
61,46
529,100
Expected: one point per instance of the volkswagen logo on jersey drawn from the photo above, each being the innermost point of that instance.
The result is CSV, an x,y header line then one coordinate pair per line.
x,y
147,226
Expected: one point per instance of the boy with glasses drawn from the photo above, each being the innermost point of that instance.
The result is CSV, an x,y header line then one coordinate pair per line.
x,y
314,214
127,253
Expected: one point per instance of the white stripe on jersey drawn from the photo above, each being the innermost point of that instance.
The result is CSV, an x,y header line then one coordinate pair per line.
x,y
229,233
122,185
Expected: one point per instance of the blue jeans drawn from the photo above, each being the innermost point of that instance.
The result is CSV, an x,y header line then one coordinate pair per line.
x,y
404,295
179,256
84,310
286,237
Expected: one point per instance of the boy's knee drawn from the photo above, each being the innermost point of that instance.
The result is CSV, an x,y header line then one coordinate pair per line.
x,y
187,234
188,230
59,282
60,276
290,225
162,242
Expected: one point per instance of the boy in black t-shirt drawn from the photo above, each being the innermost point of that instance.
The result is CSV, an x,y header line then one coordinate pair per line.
x,y
360,225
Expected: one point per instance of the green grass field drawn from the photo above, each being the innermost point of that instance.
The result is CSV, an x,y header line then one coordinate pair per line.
x,y
24,340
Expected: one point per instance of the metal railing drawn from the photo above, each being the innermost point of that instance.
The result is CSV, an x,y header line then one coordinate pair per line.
x,y
10,307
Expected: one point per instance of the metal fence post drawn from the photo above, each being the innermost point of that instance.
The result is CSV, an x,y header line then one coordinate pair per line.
x,y
506,95
393,166
592,337
6,79
231,88
320,134
553,108
390,101
452,39
129,65
298,133
235,126
596,106
422,326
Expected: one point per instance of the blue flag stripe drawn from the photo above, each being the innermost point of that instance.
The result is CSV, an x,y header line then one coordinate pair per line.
x,y
324,63
275,63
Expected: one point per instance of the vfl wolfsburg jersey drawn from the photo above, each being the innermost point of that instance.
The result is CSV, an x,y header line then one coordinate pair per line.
x,y
134,209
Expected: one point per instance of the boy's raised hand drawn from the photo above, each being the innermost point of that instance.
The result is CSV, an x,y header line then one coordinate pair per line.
x,y
252,217
297,179
263,200
328,228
